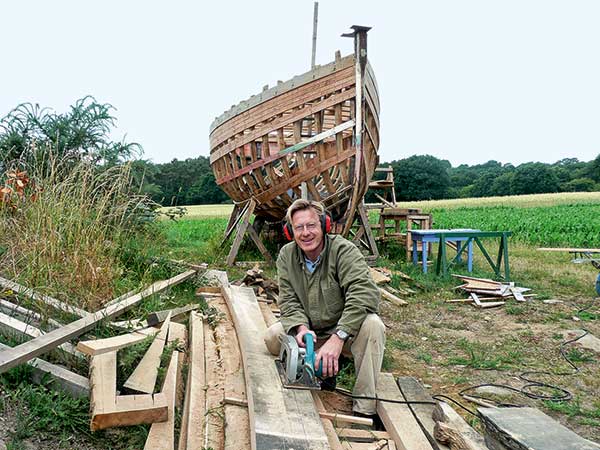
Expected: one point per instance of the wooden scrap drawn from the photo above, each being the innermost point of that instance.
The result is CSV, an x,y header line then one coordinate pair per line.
x,y
57,304
29,350
520,428
57,377
157,317
108,410
398,418
99,346
162,434
144,375
451,430
346,418
332,437
194,406
475,299
378,276
392,298
279,417
178,334
517,294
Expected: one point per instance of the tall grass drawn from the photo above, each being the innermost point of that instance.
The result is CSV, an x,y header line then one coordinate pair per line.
x,y
66,242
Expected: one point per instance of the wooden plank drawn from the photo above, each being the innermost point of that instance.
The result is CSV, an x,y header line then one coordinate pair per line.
x,y
213,420
570,250
279,417
157,317
28,350
134,410
194,409
5,305
103,383
237,425
144,375
357,435
332,437
162,434
27,292
178,334
398,418
451,429
57,377
346,418
520,429
412,391
10,325
99,346
240,233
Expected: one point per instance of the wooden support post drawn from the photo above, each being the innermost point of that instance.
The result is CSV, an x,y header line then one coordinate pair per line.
x,y
364,218
240,233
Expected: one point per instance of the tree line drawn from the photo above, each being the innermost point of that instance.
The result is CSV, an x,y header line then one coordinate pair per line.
x,y
82,133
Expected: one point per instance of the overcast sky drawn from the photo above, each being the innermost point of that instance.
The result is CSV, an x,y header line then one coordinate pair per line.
x,y
463,80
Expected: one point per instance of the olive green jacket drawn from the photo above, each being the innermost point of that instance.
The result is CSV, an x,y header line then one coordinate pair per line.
x,y
337,295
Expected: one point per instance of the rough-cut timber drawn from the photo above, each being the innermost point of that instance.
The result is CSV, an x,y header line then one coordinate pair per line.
x,y
279,418
452,430
398,418
24,352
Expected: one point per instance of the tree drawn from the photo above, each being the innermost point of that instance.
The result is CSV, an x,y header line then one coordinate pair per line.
x,y
594,169
421,177
534,178
83,133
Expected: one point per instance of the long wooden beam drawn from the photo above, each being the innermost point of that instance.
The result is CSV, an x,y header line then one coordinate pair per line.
x,y
24,352
279,417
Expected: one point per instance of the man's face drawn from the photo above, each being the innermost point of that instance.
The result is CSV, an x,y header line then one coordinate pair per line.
x,y
307,232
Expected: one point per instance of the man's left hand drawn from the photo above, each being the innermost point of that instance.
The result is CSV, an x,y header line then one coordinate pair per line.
x,y
329,355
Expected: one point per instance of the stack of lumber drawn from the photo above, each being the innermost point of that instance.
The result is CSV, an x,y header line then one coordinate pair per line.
x,y
265,289
486,293
382,278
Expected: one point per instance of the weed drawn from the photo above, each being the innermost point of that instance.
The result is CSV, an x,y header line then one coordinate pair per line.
x,y
484,356
588,316
346,376
398,344
514,310
425,357
577,356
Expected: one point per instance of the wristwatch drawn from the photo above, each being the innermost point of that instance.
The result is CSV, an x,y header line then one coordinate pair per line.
x,y
342,335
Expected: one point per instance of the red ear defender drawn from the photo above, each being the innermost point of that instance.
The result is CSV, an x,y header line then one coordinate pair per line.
x,y
287,232
326,223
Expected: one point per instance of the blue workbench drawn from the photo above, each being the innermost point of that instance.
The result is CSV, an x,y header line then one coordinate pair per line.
x,y
464,238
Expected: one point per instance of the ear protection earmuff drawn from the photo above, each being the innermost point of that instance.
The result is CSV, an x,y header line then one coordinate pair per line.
x,y
288,232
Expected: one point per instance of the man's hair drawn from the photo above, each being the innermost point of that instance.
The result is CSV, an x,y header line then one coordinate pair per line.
x,y
302,204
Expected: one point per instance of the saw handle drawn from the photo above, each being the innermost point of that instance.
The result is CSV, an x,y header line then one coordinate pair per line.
x,y
310,354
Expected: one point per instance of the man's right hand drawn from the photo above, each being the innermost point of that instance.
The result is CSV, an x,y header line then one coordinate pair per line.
x,y
301,331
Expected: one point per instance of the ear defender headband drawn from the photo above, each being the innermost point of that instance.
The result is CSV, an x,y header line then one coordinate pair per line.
x,y
288,232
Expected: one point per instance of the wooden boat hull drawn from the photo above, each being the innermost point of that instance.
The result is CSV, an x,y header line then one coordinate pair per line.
x,y
300,132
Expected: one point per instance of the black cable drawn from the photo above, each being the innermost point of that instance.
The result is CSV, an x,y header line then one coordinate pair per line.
x,y
560,394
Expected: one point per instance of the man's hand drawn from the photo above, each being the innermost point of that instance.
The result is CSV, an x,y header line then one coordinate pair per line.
x,y
329,355
302,330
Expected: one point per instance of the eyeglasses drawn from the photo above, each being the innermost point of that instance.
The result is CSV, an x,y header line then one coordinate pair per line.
x,y
310,227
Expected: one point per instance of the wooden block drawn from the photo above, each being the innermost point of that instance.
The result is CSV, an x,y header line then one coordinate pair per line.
x,y
29,350
451,429
99,346
398,418
144,376
345,418
162,435
194,409
519,428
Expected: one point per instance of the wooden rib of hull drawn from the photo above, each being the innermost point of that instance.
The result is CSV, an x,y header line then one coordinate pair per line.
x,y
298,132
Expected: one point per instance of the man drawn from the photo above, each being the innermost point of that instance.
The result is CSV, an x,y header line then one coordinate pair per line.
x,y
326,290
